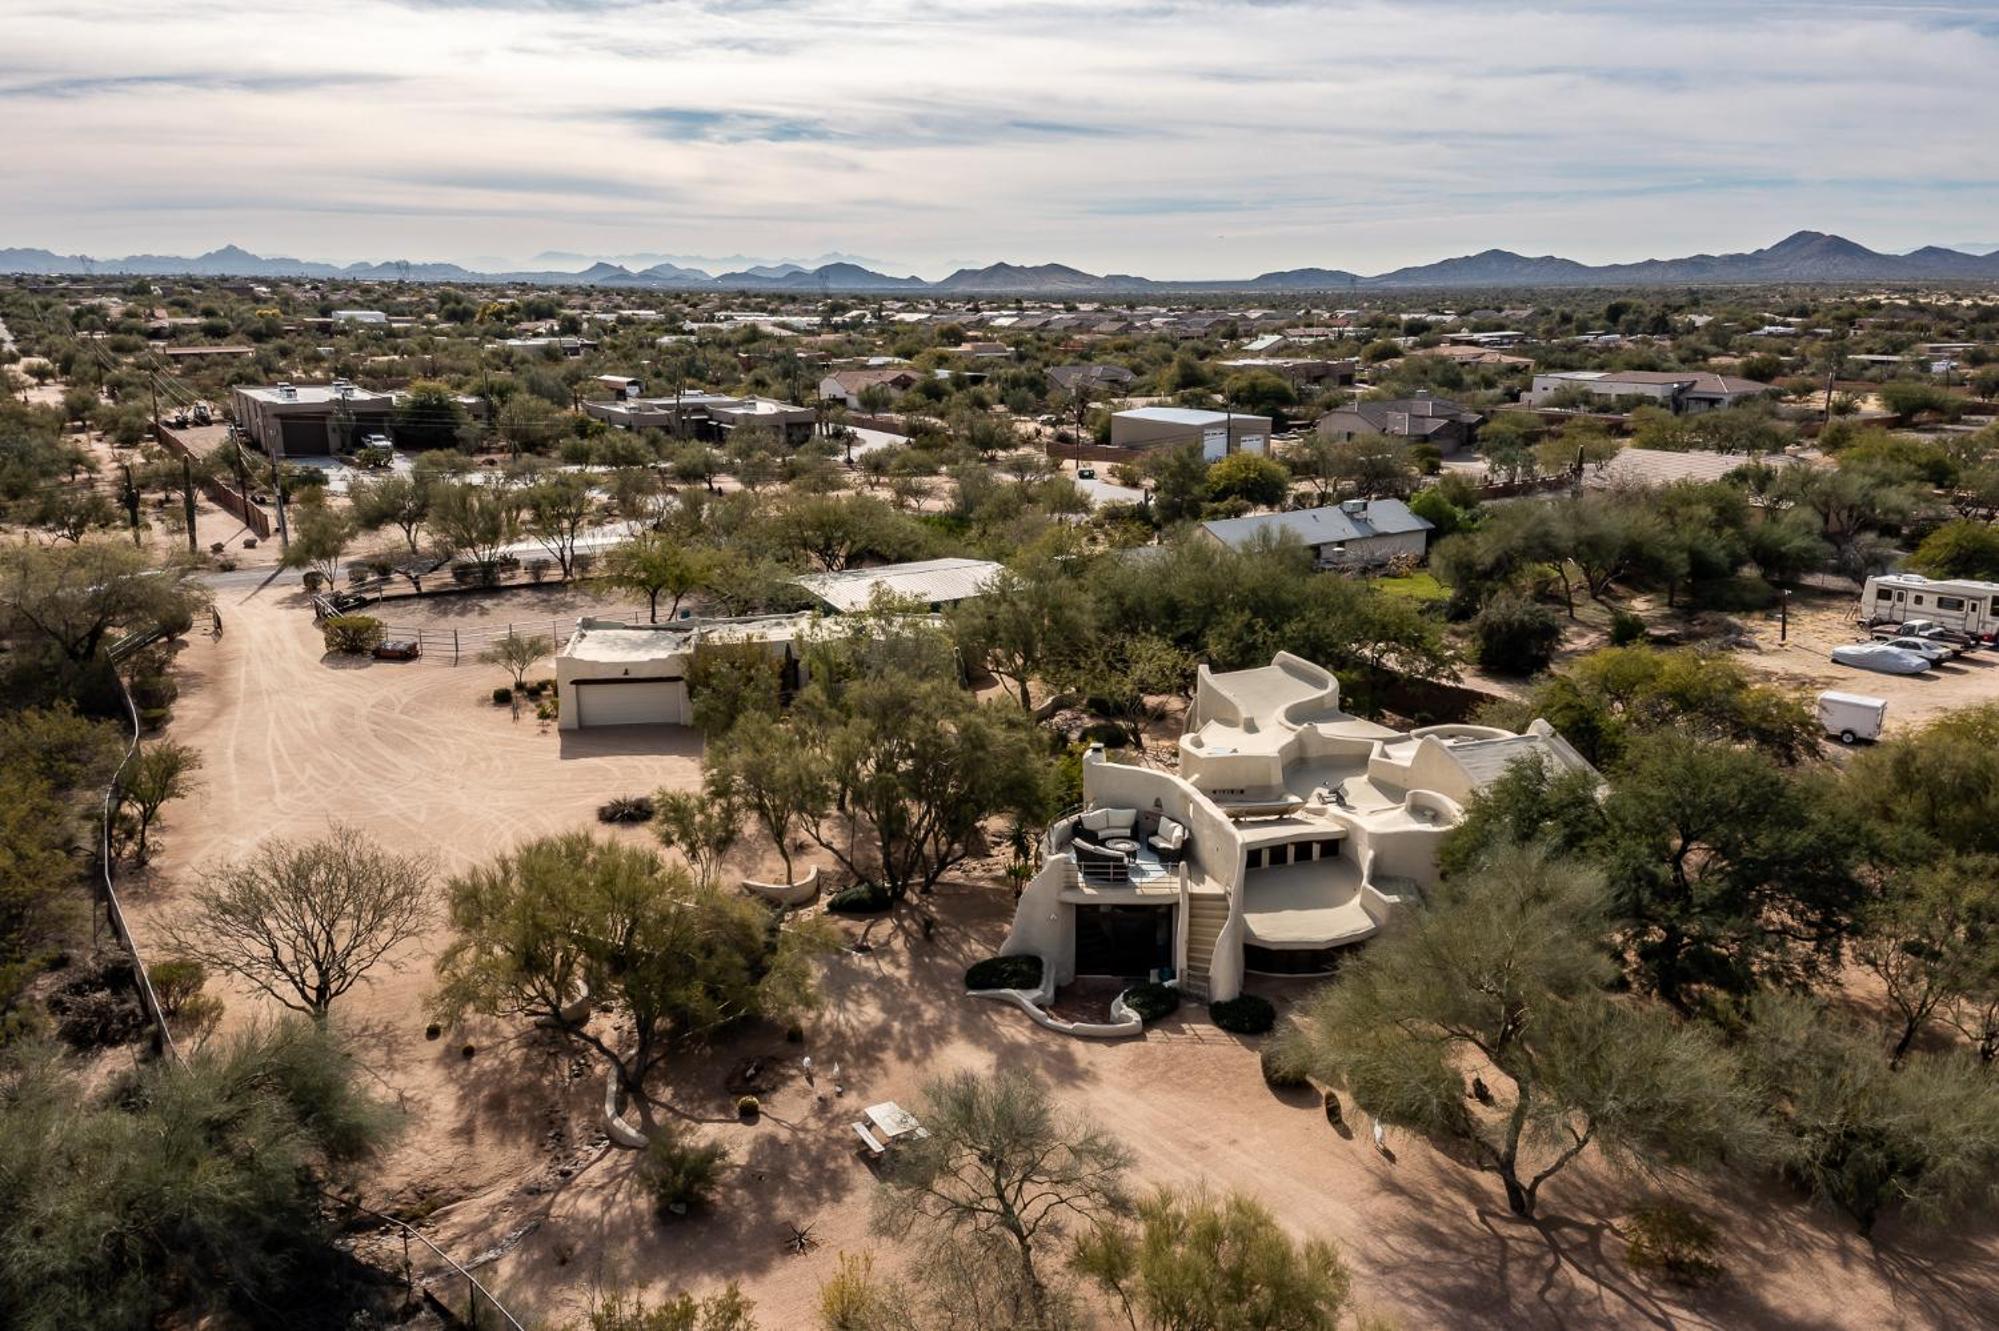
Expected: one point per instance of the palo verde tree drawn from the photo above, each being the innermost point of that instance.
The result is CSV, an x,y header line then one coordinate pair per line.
x,y
657,564
1027,619
905,765
1504,979
303,922
517,653
1001,1173
570,917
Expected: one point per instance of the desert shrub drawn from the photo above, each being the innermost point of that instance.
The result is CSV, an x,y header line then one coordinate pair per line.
x,y
1246,1014
1283,1067
502,696
1004,973
1514,636
99,1007
1668,1240
860,899
626,809
1152,1001
748,1107
1625,628
351,633
178,985
680,1173
548,709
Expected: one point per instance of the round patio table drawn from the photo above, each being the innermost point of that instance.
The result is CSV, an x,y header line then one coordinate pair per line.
x,y
1123,844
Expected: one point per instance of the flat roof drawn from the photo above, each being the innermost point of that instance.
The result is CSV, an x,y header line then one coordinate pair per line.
x,y
929,581
1189,416
315,393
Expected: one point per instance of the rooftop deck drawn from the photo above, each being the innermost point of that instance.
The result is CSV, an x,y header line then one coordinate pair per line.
x,y
1316,904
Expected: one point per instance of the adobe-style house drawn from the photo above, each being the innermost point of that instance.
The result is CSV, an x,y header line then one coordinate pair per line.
x,y
1291,830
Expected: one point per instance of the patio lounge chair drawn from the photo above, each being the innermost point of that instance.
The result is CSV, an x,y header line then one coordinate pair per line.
x,y
1101,865
1170,840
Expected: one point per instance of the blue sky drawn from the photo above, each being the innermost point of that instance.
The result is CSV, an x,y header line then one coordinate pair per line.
x,y
1172,139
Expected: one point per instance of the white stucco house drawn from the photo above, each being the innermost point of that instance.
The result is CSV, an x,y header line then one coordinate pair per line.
x,y
1291,830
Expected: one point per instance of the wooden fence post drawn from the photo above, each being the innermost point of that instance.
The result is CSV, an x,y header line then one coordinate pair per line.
x,y
454,646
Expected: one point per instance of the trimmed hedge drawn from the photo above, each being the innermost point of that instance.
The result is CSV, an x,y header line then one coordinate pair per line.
x,y
860,899
1246,1014
1152,1001
351,634
1004,973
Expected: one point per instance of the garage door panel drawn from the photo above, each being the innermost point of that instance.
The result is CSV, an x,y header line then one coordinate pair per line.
x,y
638,703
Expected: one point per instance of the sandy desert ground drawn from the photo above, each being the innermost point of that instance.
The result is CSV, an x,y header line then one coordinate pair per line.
x,y
500,1154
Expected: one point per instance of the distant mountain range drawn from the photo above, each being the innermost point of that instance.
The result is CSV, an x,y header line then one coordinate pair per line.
x,y
1807,256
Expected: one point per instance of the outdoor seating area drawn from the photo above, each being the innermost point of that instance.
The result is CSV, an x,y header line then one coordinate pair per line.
x,y
1119,845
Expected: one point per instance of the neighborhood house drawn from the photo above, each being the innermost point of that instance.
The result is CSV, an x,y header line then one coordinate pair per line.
x,y
1352,534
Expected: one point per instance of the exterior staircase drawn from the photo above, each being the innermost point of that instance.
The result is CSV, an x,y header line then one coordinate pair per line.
x,y
1207,913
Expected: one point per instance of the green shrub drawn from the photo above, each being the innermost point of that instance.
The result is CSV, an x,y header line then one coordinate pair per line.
x,y
502,696
681,1174
351,634
1669,1240
1625,628
1282,1068
1246,1014
548,709
1514,636
1152,1001
860,899
1004,973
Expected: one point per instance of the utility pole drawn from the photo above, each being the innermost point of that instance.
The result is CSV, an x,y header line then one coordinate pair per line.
x,y
154,380
129,495
187,501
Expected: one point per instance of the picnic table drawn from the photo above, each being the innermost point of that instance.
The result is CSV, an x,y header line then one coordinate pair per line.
x,y
892,1121
886,1124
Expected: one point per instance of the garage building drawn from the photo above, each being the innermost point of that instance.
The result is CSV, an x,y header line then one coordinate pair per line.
x,y
614,674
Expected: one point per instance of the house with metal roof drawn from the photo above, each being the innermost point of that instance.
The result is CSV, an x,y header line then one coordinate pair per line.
x,y
1290,831
1355,533
931,583
1219,433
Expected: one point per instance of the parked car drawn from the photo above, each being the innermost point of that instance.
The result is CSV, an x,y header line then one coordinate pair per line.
x,y
1879,656
1937,652
1086,473
1936,632
202,415
398,649
1851,717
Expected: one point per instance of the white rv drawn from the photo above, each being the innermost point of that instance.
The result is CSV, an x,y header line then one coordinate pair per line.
x,y
1958,603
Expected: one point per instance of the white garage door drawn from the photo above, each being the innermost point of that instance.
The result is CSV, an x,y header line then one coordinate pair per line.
x,y
648,702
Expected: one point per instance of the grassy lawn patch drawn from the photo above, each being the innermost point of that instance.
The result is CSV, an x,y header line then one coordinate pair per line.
x,y
1422,585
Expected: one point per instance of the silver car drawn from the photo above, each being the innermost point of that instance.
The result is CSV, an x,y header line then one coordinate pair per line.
x,y
1881,657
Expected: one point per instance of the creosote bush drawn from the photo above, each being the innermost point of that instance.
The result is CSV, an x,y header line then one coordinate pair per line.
x,y
1667,1239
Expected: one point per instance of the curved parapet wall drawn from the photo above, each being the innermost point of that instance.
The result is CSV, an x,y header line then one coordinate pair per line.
x,y
785,894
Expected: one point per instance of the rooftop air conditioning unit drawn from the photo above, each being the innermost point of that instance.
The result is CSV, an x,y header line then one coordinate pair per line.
x,y
1354,505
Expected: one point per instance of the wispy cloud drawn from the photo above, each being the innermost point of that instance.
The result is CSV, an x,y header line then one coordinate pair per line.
x,y
1175,137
